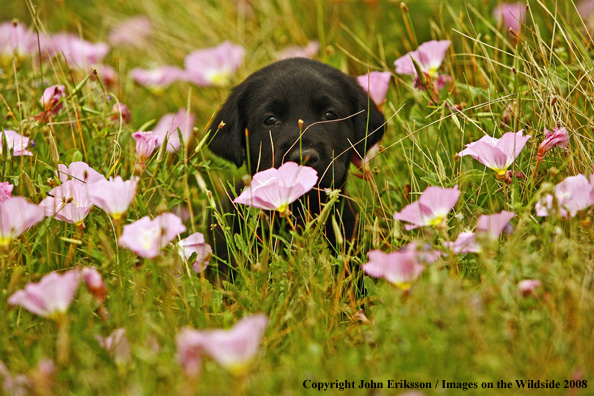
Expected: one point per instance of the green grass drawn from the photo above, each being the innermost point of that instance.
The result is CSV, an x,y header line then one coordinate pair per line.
x,y
463,320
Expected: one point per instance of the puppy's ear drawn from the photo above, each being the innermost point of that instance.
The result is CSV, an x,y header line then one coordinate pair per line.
x,y
228,129
369,125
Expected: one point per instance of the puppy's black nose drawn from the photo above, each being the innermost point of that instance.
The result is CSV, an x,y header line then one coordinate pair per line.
x,y
308,156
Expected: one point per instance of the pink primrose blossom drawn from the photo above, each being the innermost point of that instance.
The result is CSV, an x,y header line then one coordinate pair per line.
x,y
157,79
95,283
14,385
557,137
489,226
423,253
120,110
17,215
400,268
465,243
363,163
16,142
51,100
276,189
573,194
512,14
376,84
68,202
114,195
497,154
585,8
132,32
16,40
147,237
493,225
168,125
529,286
429,56
236,348
52,295
5,191
78,171
214,66
79,53
295,51
146,143
104,73
117,345
233,349
431,209
195,244
190,347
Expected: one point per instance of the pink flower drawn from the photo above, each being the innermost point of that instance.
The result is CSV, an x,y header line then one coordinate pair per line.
x,y
79,53
489,226
512,14
16,40
573,194
493,225
52,295
235,348
557,137
157,79
17,215
120,110
78,171
294,51
195,244
423,254
114,195
276,189
528,286
68,202
16,142
105,73
95,284
214,66
376,84
432,208
465,243
190,348
131,32
497,154
586,10
429,56
147,237
5,191
117,345
363,163
51,100
168,125
400,268
17,385
146,143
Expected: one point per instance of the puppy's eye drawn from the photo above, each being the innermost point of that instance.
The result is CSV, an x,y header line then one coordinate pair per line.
x,y
270,120
330,115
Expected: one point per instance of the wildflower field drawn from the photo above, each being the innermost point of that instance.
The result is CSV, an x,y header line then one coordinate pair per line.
x,y
472,272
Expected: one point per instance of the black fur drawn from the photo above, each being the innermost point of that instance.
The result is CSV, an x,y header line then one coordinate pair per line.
x,y
339,121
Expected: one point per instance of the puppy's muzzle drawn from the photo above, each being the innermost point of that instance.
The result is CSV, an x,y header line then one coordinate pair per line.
x,y
308,156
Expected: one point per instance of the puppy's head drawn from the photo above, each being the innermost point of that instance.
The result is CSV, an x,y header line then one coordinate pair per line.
x,y
261,120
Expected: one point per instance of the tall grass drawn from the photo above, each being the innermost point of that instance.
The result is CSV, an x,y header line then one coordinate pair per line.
x,y
466,325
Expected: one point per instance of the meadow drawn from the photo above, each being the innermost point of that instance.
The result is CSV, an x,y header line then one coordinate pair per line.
x,y
463,306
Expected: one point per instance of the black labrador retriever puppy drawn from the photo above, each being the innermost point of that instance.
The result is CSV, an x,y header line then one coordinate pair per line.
x,y
304,111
